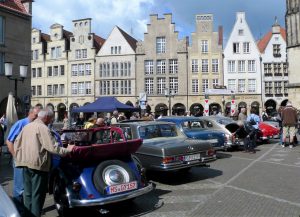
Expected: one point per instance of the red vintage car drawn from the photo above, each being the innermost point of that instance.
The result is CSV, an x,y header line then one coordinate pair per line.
x,y
267,131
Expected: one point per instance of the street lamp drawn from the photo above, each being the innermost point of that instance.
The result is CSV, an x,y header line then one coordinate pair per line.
x,y
9,73
169,93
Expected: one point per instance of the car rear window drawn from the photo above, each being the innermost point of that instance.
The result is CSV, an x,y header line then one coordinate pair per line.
x,y
155,131
192,125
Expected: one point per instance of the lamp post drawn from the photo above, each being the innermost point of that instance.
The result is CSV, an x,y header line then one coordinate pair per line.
x,y
169,93
9,75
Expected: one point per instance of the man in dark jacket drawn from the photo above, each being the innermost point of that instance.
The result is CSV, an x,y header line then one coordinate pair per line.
x,y
247,132
289,122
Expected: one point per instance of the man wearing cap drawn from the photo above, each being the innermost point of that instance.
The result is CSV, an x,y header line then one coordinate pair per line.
x,y
289,121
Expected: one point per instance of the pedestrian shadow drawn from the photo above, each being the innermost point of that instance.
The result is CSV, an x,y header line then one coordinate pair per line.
x,y
183,177
142,205
221,155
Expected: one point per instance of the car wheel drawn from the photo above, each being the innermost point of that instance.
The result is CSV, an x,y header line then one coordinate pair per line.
x,y
60,198
111,172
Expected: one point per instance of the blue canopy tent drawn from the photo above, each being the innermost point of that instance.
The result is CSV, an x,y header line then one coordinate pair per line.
x,y
105,104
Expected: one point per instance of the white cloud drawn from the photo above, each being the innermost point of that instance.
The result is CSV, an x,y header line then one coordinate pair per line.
x,y
128,14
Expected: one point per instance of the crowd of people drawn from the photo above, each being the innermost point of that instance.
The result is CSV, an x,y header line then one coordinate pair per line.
x,y
287,117
31,144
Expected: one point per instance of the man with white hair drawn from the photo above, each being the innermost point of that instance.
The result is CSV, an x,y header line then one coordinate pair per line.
x,y
15,130
114,118
33,149
289,121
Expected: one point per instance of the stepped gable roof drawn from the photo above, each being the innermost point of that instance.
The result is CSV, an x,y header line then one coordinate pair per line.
x,y
131,41
98,42
15,5
262,43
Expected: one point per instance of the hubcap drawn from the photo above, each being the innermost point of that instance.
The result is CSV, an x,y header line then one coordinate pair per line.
x,y
114,175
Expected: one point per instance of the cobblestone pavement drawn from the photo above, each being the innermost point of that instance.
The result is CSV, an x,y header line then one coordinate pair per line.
x,y
265,184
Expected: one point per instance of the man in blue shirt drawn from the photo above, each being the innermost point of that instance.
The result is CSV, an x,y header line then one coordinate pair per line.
x,y
15,130
254,120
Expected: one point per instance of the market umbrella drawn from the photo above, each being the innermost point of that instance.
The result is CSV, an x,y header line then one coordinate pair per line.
x,y
11,112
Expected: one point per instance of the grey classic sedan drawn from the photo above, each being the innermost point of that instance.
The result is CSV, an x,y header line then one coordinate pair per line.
x,y
165,148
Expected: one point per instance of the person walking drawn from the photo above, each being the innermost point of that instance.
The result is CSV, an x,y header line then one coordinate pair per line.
x,y
279,119
66,123
289,122
254,120
33,148
242,115
264,115
15,130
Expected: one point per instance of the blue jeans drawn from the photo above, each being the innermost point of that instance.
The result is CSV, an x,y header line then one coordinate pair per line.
x,y
18,184
281,137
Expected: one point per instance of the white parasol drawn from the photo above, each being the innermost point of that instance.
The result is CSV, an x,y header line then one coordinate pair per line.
x,y
11,113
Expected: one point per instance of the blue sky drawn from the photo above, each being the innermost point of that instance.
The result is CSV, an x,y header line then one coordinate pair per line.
x,y
133,15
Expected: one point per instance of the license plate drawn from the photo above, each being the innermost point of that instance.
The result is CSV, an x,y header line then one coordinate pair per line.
x,y
192,157
114,189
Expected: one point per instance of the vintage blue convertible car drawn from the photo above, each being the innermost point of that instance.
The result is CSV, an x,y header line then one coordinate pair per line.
x,y
193,127
99,171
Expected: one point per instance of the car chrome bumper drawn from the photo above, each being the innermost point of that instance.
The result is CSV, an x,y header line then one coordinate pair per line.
x,y
111,199
182,165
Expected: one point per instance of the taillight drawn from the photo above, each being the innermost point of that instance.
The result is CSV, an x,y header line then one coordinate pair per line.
x,y
91,196
167,160
210,152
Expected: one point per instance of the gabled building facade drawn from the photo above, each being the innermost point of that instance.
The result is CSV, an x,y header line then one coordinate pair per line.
x,y
63,65
275,74
205,63
84,45
15,35
49,69
292,23
161,67
115,73
242,67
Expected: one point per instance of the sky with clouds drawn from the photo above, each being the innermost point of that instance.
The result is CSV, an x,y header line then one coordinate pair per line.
x,y
133,15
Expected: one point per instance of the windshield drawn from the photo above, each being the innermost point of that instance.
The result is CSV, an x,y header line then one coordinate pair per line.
x,y
155,131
